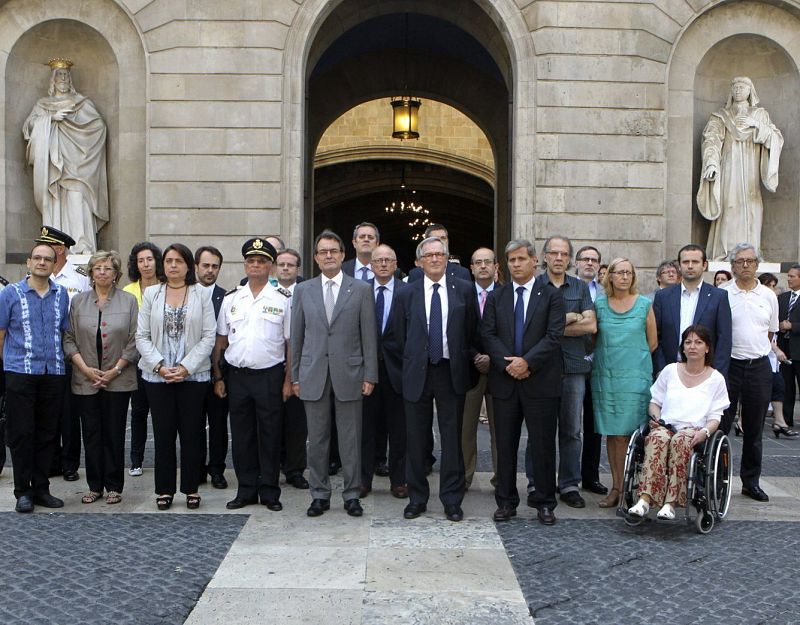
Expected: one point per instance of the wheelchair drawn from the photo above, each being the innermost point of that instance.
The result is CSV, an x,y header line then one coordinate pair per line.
x,y
708,481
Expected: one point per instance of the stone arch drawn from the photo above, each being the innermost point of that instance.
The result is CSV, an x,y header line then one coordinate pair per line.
x,y
697,84
110,68
518,45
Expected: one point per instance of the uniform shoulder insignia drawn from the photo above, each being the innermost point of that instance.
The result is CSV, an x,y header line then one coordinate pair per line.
x,y
283,291
81,270
3,281
233,290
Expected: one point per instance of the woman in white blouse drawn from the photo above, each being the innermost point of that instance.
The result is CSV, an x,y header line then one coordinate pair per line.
x,y
688,399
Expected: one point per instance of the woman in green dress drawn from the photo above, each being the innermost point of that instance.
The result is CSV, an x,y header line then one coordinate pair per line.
x,y
623,370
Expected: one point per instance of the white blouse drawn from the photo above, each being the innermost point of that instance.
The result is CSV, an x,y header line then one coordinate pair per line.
x,y
685,407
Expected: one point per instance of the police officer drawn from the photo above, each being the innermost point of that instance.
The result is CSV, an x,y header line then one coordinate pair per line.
x,y
253,331
74,279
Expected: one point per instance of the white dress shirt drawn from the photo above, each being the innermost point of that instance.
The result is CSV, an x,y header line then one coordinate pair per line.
x,y
689,301
526,295
337,284
357,272
428,288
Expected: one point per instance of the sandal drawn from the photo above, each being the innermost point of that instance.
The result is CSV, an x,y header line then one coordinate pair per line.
x,y
611,501
91,497
164,502
113,497
193,502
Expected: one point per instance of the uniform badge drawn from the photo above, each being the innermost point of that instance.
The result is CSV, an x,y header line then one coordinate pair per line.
x,y
233,309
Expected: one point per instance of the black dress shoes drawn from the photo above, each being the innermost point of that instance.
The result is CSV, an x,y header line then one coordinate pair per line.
x,y
546,516
573,499
239,502
531,500
401,491
353,507
218,481
755,492
318,506
46,500
24,504
71,476
272,504
504,514
364,491
298,481
413,510
333,468
382,469
453,512
595,487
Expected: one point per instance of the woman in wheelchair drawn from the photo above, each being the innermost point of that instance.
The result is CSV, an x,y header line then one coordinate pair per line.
x,y
687,402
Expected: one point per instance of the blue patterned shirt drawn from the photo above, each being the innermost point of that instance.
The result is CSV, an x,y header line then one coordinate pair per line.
x,y
33,328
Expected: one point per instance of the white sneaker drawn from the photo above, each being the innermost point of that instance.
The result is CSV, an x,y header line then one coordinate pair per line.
x,y
667,512
135,471
640,508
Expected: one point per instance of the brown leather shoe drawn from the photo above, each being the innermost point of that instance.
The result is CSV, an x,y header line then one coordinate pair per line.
x,y
546,516
504,514
401,492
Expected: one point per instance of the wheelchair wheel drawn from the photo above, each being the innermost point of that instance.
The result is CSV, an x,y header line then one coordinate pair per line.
x,y
704,522
630,478
692,496
719,472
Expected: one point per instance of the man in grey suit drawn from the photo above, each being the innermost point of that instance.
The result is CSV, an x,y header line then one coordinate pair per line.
x,y
333,352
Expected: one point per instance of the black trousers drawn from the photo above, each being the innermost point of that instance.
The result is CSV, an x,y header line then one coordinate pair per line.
x,y
68,456
419,424
791,378
295,434
541,419
103,418
34,404
382,426
140,408
2,417
177,410
215,413
749,382
384,405
592,441
256,408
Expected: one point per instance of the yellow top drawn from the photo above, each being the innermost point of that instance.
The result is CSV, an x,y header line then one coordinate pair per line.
x,y
135,289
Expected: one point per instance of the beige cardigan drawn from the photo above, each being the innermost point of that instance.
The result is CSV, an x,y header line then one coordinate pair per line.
x,y
119,338
200,327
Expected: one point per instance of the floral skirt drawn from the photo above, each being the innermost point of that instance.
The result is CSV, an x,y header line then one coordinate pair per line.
x,y
666,459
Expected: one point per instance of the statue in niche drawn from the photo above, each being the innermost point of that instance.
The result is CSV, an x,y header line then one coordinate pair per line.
x,y
67,148
741,150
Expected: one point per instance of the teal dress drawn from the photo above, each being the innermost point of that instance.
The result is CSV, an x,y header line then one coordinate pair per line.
x,y
623,369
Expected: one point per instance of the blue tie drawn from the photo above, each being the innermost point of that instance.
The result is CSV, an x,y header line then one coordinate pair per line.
x,y
519,321
364,274
435,346
379,304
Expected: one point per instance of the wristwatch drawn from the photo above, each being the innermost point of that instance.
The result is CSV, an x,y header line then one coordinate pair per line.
x,y
708,434
119,369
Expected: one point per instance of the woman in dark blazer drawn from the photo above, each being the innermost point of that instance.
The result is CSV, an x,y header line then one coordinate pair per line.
x,y
175,336
101,343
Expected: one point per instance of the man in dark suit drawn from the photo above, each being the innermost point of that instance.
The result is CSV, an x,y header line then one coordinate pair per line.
x,y
365,239
692,301
434,333
334,354
454,269
385,405
523,323
208,260
789,340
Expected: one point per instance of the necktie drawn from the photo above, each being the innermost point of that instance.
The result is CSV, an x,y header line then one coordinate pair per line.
x,y
519,320
364,275
792,301
379,304
435,345
329,301
483,301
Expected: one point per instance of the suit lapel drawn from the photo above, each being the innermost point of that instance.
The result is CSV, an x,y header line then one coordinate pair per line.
x,y
318,302
533,302
344,294
703,298
507,306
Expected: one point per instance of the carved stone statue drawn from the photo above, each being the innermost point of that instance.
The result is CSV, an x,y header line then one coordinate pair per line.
x,y
741,150
67,148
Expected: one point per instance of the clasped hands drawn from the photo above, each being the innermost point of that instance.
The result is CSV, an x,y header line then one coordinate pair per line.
x,y
173,374
517,367
100,379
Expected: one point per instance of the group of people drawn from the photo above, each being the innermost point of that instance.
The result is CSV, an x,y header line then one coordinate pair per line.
x,y
327,372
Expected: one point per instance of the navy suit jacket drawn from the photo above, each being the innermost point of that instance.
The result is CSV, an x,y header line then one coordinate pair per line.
x,y
406,338
545,319
454,270
713,311
216,297
394,365
789,344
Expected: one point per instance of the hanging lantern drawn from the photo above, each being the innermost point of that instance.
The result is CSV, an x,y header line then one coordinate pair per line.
x,y
405,118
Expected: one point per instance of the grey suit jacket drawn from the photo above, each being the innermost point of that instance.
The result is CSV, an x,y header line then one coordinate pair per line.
x,y
346,348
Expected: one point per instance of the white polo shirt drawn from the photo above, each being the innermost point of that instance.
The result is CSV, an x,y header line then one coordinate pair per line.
x,y
754,313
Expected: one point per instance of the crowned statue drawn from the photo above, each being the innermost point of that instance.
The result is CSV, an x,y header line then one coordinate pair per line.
x,y
741,150
67,148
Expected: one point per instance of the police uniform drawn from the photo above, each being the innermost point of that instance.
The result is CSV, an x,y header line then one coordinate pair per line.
x,y
74,280
257,328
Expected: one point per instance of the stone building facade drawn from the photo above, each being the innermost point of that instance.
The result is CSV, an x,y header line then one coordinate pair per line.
x,y
215,108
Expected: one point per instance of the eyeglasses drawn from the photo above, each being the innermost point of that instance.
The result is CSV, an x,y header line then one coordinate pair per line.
x,y
102,269
432,255
331,251
383,261
586,259
483,262
624,273
743,262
